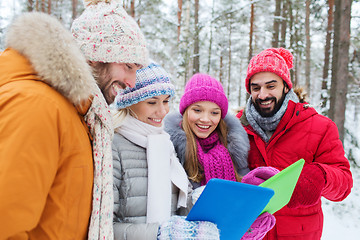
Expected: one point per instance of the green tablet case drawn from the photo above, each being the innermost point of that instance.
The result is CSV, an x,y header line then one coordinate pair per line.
x,y
283,185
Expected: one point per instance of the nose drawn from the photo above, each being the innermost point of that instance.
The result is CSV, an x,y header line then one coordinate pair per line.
x,y
162,110
204,117
131,79
263,93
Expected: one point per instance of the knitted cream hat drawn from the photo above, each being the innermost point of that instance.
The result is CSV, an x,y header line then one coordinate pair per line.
x,y
150,82
275,60
202,87
106,33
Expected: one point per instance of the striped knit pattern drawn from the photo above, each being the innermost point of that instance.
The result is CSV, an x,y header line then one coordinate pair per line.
x,y
275,60
151,81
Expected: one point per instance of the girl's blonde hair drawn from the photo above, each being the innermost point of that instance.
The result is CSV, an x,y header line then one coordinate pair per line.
x,y
192,166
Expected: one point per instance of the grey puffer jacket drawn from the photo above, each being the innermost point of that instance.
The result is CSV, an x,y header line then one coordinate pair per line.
x,y
238,142
130,192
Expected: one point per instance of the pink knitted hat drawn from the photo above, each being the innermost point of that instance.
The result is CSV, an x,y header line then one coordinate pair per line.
x,y
106,33
202,87
276,60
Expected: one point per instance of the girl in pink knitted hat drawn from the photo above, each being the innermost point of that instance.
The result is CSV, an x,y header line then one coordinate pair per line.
x,y
212,144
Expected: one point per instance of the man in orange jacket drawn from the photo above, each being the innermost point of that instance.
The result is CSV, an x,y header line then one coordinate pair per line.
x,y
56,130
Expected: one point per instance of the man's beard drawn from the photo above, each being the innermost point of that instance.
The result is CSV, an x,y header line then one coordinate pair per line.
x,y
105,92
278,104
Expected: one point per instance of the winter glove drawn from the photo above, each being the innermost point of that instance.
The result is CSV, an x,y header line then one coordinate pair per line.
x,y
196,194
264,223
259,175
308,189
178,228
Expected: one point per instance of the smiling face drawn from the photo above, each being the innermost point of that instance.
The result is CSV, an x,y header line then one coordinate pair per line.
x,y
268,92
152,110
116,76
203,118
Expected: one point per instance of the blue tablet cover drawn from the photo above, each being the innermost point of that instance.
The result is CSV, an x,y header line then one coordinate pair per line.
x,y
232,206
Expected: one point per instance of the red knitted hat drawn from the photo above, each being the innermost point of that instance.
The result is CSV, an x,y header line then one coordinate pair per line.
x,y
276,60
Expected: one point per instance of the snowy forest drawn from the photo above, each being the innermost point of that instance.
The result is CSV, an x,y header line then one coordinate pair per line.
x,y
219,37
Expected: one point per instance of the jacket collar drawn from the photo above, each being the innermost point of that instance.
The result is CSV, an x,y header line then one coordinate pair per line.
x,y
295,113
52,55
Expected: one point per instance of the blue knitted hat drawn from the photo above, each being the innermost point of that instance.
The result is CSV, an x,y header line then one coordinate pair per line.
x,y
151,81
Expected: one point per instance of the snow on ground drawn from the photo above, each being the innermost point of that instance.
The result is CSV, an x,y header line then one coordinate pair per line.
x,y
342,219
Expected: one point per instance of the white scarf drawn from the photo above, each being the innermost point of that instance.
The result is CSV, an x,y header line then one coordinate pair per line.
x,y
164,167
98,119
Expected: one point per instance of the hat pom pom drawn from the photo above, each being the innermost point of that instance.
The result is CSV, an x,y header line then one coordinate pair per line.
x,y
94,2
288,57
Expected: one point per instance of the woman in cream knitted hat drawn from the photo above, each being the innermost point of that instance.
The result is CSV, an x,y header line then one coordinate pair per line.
x,y
113,44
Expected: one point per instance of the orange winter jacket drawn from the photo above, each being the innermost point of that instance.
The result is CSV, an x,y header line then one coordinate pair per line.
x,y
46,166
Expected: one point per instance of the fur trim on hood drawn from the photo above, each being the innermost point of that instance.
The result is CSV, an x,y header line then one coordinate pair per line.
x,y
53,53
238,142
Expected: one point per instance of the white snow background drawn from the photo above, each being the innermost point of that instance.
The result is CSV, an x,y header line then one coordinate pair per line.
x,y
341,219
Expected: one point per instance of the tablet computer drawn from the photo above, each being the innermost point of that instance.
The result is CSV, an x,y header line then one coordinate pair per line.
x,y
232,206
283,185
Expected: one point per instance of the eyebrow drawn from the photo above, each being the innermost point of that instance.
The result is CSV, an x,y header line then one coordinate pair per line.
x,y
156,97
138,65
271,81
197,105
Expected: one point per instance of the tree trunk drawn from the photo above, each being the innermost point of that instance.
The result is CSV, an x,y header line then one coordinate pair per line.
x,y
187,40
329,29
132,8
284,25
30,5
180,2
49,7
74,9
221,69
211,36
251,34
297,39
291,30
241,84
308,47
276,26
229,63
196,59
43,6
340,80
335,57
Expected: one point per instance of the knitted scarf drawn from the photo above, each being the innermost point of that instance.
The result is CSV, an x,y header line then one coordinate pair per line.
x,y
164,167
98,119
214,158
267,124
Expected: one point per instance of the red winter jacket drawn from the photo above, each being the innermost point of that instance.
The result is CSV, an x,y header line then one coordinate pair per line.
x,y
302,133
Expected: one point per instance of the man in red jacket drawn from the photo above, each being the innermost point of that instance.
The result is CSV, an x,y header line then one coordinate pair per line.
x,y
282,130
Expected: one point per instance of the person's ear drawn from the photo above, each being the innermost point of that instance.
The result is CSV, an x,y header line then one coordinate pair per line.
x,y
286,88
91,63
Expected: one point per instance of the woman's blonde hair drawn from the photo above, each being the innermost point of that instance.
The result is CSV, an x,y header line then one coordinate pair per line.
x,y
192,166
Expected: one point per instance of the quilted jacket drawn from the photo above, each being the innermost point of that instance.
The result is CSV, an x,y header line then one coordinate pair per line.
x,y
130,192
302,133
